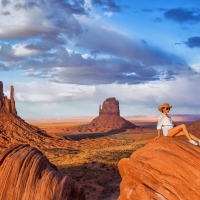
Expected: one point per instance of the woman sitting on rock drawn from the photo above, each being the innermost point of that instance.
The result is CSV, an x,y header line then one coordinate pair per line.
x,y
168,128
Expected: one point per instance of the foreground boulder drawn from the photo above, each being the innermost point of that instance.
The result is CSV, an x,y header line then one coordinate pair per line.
x,y
168,168
26,174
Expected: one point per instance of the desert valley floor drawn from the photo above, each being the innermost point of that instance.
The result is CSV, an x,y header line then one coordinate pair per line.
x,y
92,161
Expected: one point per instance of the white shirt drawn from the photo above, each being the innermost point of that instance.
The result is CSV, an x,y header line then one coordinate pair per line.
x,y
165,123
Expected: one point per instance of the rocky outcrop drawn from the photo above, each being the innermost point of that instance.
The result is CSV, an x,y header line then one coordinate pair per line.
x,y
168,168
109,120
194,128
26,174
7,105
14,130
110,107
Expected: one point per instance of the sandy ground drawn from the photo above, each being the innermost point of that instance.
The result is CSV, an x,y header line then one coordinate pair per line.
x,y
93,159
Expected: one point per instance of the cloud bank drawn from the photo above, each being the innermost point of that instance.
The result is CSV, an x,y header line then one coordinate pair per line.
x,y
45,33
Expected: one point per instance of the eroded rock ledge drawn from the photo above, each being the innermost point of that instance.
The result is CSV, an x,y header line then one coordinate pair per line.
x,y
26,174
168,168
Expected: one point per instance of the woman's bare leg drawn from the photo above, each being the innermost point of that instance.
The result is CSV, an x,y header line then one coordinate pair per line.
x,y
194,137
178,131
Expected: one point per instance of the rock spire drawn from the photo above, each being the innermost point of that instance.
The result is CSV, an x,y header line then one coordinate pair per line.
x,y
7,105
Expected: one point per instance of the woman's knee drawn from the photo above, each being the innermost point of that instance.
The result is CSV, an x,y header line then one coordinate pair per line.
x,y
183,126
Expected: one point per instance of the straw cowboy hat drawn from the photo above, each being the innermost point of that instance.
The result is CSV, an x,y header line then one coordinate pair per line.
x,y
165,105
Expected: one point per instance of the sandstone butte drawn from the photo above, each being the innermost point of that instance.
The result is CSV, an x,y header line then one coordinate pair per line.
x,y
109,120
26,174
165,169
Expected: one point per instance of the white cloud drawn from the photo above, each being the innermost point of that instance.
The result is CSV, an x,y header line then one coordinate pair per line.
x,y
20,50
51,92
108,14
142,99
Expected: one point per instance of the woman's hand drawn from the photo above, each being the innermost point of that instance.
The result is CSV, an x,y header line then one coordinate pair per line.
x,y
156,137
159,134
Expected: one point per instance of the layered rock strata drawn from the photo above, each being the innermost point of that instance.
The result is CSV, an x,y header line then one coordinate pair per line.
x,y
109,119
26,174
168,168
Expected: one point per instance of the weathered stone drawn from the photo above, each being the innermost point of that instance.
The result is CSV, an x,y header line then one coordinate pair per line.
x,y
167,168
1,95
1,90
194,128
7,105
26,174
12,101
110,106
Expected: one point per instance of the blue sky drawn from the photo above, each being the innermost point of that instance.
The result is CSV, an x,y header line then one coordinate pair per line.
x,y
65,57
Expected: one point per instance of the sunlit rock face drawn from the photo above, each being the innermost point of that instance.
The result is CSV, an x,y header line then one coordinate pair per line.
x,y
26,174
168,168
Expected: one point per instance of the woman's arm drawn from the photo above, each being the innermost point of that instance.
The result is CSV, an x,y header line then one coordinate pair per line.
x,y
159,125
159,134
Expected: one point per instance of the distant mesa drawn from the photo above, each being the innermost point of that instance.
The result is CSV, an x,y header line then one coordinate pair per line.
x,y
109,120
167,168
26,174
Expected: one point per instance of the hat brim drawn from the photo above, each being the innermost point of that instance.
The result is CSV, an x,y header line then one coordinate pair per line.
x,y
160,108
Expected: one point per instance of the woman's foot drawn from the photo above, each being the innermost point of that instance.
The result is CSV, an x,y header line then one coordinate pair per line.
x,y
199,142
193,142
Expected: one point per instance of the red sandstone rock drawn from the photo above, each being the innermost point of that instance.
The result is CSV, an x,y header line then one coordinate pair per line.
x,y
26,174
108,120
12,101
164,169
14,130
194,128
7,105
110,106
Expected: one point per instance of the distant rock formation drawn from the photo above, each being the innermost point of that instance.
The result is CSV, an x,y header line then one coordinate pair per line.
x,y
14,130
7,105
108,120
194,128
110,107
26,174
167,168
